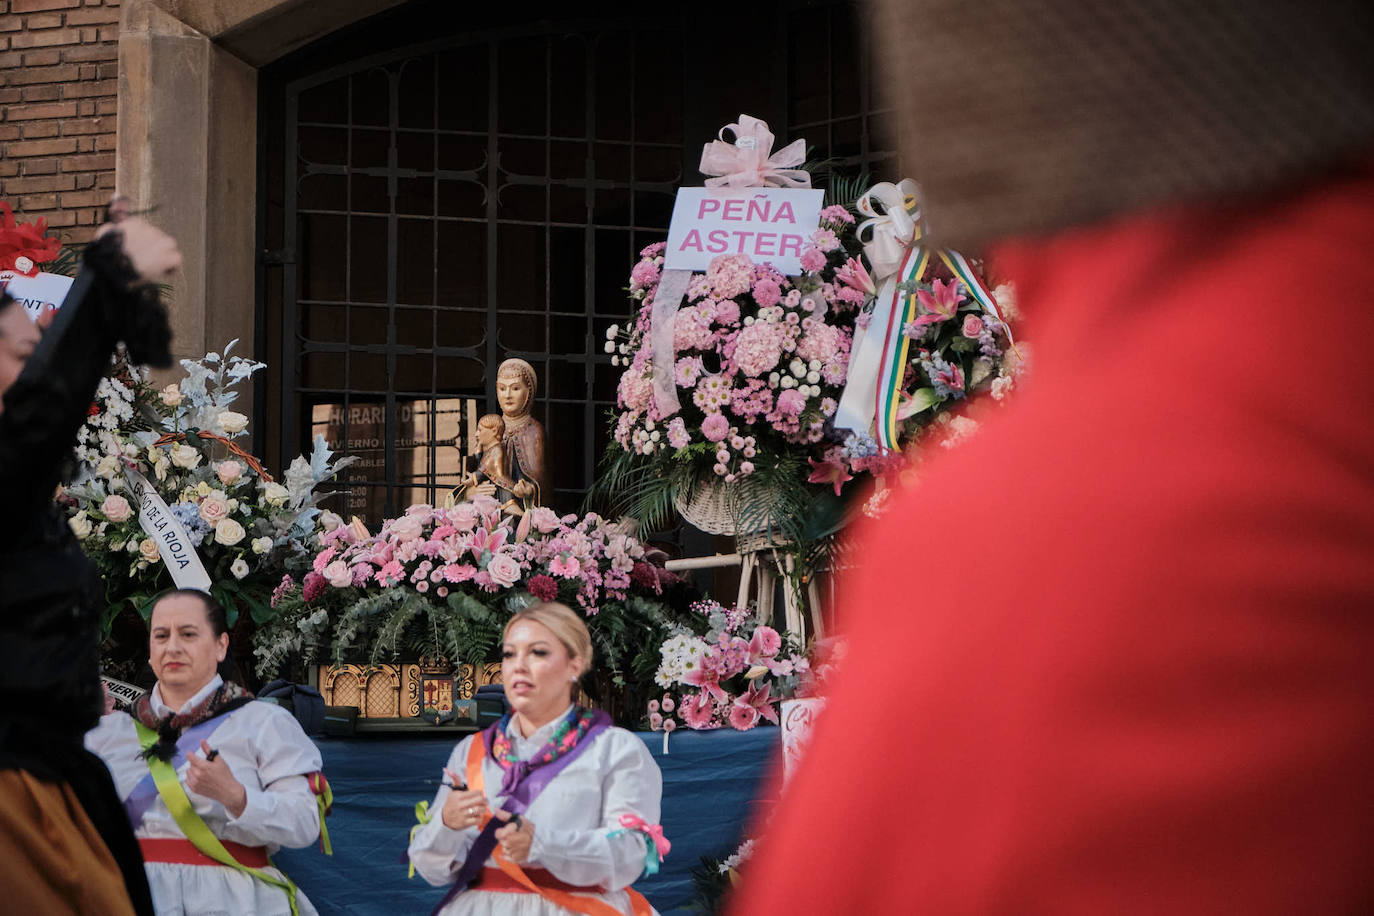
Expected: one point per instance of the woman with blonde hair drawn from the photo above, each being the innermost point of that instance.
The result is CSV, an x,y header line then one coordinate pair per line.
x,y
552,809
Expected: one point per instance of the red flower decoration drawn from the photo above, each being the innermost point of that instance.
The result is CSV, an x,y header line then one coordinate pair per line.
x,y
24,240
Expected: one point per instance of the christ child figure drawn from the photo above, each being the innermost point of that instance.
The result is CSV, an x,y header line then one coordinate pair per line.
x,y
491,477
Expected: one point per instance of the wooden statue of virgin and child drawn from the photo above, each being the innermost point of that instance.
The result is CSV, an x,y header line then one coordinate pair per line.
x,y
510,446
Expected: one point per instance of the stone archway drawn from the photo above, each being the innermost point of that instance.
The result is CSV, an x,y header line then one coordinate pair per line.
x,y
187,140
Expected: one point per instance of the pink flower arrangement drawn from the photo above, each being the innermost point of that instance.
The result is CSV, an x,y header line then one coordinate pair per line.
x,y
734,675
474,545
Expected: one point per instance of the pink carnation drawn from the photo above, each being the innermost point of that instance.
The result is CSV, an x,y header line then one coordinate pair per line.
x,y
544,587
791,402
715,427
644,275
313,587
727,313
812,260
837,214
767,292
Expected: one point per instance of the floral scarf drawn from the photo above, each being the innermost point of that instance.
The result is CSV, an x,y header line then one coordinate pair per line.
x,y
566,736
226,698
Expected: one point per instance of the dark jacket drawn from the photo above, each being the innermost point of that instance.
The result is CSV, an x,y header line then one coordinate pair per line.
x,y
51,595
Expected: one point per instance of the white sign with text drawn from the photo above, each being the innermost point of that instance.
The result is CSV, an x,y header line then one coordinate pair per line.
x,y
40,293
769,225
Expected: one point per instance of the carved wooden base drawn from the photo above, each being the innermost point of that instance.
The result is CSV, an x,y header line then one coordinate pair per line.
x,y
406,691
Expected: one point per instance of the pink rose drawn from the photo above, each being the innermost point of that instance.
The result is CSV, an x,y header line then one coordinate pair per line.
x,y
338,574
422,513
715,427
214,509
463,516
228,472
406,528
973,326
116,508
543,520
503,570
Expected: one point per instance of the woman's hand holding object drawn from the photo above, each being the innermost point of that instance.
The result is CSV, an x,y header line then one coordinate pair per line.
x,y
516,837
211,777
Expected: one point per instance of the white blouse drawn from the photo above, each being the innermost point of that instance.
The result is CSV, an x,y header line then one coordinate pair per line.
x,y
269,754
573,818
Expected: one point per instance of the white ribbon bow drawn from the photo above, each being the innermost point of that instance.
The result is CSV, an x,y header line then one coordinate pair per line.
x,y
890,231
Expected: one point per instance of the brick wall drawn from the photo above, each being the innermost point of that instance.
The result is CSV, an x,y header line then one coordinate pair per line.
x,y
59,69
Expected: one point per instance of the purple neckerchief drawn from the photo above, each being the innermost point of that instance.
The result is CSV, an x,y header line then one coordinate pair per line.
x,y
520,792
141,798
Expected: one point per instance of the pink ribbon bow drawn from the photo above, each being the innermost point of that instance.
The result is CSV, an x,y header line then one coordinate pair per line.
x,y
749,162
654,832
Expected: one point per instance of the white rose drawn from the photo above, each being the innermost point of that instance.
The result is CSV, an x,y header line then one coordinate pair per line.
x,y
116,508
262,545
133,546
185,456
231,422
338,574
108,467
147,549
171,395
80,525
330,520
214,509
504,570
229,532
239,568
228,471
275,494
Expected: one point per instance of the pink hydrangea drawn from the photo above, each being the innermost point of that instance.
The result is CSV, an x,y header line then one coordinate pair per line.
x,y
812,259
758,348
820,342
730,275
715,427
691,330
636,391
727,313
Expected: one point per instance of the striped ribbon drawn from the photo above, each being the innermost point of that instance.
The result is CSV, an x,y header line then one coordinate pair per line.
x,y
961,268
896,345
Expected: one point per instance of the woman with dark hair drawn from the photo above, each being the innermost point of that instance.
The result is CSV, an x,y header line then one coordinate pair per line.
x,y
64,843
206,773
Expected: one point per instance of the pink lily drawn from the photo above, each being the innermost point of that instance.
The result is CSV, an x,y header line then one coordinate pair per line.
x,y
941,304
759,699
853,274
707,677
829,471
